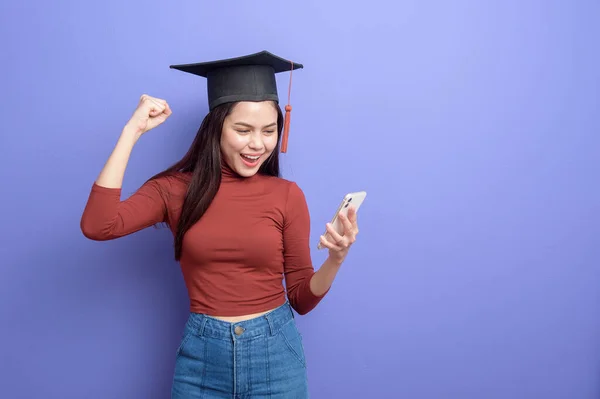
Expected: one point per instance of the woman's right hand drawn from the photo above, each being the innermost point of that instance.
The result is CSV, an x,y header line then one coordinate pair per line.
x,y
150,113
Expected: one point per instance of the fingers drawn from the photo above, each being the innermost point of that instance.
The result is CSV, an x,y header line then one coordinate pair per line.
x,y
155,106
352,215
340,242
328,244
348,227
334,235
350,224
167,110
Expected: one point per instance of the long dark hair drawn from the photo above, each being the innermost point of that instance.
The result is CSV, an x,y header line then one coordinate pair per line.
x,y
203,161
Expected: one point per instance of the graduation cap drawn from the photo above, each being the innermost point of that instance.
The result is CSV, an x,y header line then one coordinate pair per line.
x,y
246,78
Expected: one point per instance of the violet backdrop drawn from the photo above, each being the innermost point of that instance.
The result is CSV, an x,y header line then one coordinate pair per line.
x,y
472,125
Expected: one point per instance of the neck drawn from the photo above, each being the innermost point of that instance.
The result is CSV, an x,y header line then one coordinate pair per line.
x,y
228,174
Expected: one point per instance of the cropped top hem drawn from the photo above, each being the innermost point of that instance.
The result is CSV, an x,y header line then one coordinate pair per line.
x,y
237,311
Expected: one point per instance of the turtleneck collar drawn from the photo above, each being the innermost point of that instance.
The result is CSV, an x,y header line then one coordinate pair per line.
x,y
230,175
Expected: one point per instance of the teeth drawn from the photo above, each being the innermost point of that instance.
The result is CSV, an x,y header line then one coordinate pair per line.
x,y
252,158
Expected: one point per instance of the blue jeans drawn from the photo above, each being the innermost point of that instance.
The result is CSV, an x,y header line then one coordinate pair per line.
x,y
256,359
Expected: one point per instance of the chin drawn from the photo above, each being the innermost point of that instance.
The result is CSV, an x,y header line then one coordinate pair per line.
x,y
244,172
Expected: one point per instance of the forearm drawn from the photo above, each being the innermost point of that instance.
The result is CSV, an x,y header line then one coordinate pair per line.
x,y
112,174
323,278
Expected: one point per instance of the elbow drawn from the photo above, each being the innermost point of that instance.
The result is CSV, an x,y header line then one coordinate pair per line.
x,y
301,308
302,299
302,311
93,232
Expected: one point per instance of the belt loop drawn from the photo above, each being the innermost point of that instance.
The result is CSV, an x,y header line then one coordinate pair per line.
x,y
202,324
288,307
271,326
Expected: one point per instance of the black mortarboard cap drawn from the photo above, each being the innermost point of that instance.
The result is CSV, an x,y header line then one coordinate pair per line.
x,y
247,78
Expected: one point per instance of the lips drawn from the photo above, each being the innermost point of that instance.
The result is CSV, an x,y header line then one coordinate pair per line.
x,y
251,158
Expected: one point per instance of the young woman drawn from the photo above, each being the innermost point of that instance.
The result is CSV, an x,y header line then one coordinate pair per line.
x,y
238,229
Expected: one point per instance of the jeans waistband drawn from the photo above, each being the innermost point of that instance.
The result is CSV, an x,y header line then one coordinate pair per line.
x,y
267,324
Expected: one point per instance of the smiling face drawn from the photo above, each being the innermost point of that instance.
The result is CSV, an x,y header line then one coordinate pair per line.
x,y
249,136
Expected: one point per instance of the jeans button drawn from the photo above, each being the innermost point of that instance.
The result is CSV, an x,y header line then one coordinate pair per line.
x,y
238,330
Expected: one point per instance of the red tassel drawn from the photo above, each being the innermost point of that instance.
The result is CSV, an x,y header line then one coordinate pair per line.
x,y
286,128
288,113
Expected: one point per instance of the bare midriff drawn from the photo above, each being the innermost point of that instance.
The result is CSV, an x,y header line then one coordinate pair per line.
x,y
237,319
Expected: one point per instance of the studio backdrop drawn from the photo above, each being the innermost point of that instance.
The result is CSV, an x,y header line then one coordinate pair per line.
x,y
473,127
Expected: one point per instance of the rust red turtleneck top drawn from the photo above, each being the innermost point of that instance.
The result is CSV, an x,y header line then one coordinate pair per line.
x,y
255,232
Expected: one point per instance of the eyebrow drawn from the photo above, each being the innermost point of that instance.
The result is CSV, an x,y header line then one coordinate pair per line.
x,y
248,125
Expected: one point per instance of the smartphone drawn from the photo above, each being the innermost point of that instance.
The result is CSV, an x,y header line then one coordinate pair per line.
x,y
355,199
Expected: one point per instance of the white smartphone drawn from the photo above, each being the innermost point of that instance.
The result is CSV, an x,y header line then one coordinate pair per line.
x,y
355,199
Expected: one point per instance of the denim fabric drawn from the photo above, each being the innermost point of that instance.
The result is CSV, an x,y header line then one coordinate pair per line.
x,y
259,358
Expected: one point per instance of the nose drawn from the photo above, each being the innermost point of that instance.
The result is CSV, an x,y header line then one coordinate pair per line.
x,y
256,142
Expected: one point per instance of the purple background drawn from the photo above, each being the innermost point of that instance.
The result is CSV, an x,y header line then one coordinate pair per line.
x,y
472,125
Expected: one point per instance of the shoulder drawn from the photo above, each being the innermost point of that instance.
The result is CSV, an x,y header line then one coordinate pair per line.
x,y
288,189
171,179
291,199
168,185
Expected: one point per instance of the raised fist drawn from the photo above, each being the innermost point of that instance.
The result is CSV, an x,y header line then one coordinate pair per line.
x,y
149,113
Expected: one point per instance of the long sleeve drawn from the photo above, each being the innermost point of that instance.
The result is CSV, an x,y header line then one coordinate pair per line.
x,y
106,217
298,268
